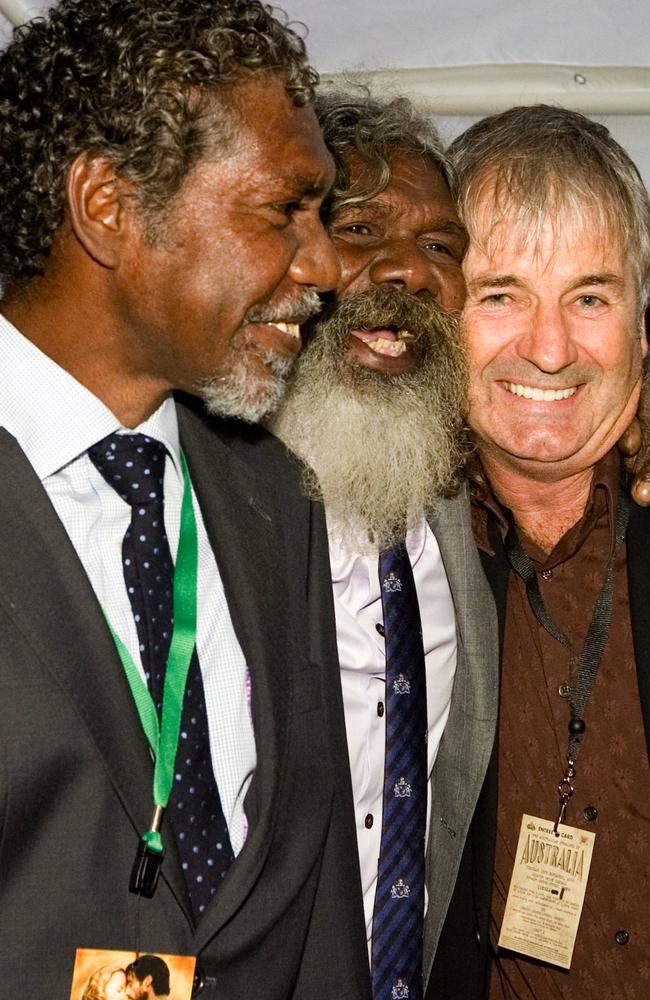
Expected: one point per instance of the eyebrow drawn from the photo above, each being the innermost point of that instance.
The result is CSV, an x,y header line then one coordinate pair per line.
x,y
512,281
310,188
495,281
599,278
448,226
303,186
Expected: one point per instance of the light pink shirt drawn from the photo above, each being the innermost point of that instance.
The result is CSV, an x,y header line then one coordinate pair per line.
x,y
357,603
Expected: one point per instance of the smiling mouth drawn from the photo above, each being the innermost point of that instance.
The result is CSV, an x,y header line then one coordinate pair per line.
x,y
389,341
539,395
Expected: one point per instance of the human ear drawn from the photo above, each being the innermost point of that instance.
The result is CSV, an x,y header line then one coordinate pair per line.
x,y
96,203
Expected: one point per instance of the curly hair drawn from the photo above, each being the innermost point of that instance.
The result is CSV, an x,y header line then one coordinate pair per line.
x,y
134,81
355,121
95,986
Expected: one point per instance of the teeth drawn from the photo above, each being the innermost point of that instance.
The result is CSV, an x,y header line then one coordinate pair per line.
x,y
293,329
540,395
405,335
392,347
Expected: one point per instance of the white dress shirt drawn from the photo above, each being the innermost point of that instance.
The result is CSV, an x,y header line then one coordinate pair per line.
x,y
362,656
55,420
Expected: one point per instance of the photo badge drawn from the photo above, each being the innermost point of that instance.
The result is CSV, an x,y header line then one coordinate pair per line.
x,y
130,975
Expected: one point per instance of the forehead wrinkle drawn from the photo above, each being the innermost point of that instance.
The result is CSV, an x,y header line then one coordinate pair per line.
x,y
383,205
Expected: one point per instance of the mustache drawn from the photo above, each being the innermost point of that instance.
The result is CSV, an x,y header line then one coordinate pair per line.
x,y
383,306
297,308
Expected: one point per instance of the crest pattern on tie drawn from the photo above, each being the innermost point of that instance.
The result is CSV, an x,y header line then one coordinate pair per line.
x,y
398,919
134,465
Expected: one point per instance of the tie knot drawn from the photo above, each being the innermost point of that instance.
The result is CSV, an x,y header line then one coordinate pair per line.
x,y
133,464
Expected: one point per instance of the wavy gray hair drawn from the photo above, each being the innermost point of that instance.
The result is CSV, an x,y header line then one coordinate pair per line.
x,y
544,162
375,129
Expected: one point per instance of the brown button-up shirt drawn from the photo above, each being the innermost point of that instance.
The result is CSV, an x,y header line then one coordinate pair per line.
x,y
612,785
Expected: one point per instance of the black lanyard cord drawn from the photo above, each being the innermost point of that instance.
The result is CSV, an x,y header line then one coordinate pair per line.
x,y
595,641
597,634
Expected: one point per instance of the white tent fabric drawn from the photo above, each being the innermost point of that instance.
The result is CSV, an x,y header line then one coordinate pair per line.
x,y
486,55
374,34
471,57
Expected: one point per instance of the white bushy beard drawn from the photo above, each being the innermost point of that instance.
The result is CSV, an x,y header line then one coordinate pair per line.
x,y
383,448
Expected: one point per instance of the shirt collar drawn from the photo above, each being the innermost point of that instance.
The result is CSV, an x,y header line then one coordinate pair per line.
x,y
55,418
603,498
344,561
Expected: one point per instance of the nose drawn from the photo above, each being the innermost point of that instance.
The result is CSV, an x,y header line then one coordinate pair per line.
x,y
315,262
547,343
403,264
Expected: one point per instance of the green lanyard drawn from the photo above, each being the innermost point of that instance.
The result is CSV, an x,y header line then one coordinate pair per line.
x,y
163,735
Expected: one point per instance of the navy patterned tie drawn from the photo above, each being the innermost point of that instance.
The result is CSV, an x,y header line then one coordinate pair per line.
x,y
134,465
398,918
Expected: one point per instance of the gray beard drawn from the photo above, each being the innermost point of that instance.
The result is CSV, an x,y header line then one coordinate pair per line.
x,y
253,379
379,449
243,392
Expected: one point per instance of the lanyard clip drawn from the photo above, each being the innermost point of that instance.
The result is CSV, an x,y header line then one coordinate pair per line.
x,y
148,859
565,791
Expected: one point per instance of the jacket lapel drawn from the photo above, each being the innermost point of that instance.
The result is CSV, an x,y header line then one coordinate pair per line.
x,y
638,572
239,510
46,594
469,734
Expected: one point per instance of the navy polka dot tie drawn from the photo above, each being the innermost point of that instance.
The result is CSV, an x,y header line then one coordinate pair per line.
x,y
134,465
398,918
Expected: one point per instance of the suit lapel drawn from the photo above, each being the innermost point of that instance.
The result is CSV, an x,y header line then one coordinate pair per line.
x,y
46,594
240,514
638,571
469,734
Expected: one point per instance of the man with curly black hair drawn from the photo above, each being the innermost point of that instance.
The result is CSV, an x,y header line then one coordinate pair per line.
x,y
161,174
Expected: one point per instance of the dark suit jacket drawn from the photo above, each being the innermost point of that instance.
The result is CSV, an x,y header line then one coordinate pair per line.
x,y
75,769
462,961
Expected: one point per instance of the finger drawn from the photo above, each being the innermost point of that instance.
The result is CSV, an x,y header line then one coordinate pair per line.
x,y
641,489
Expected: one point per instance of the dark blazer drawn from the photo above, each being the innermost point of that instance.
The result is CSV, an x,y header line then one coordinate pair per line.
x,y
461,969
75,769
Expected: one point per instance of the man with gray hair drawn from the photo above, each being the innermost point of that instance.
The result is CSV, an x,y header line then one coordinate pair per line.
x,y
557,282
399,601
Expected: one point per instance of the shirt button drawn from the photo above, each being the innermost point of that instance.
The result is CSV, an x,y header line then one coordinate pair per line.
x,y
622,937
369,821
380,708
380,628
564,690
590,813
546,574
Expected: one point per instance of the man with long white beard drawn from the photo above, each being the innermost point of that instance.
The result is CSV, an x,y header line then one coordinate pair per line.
x,y
383,443
374,411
